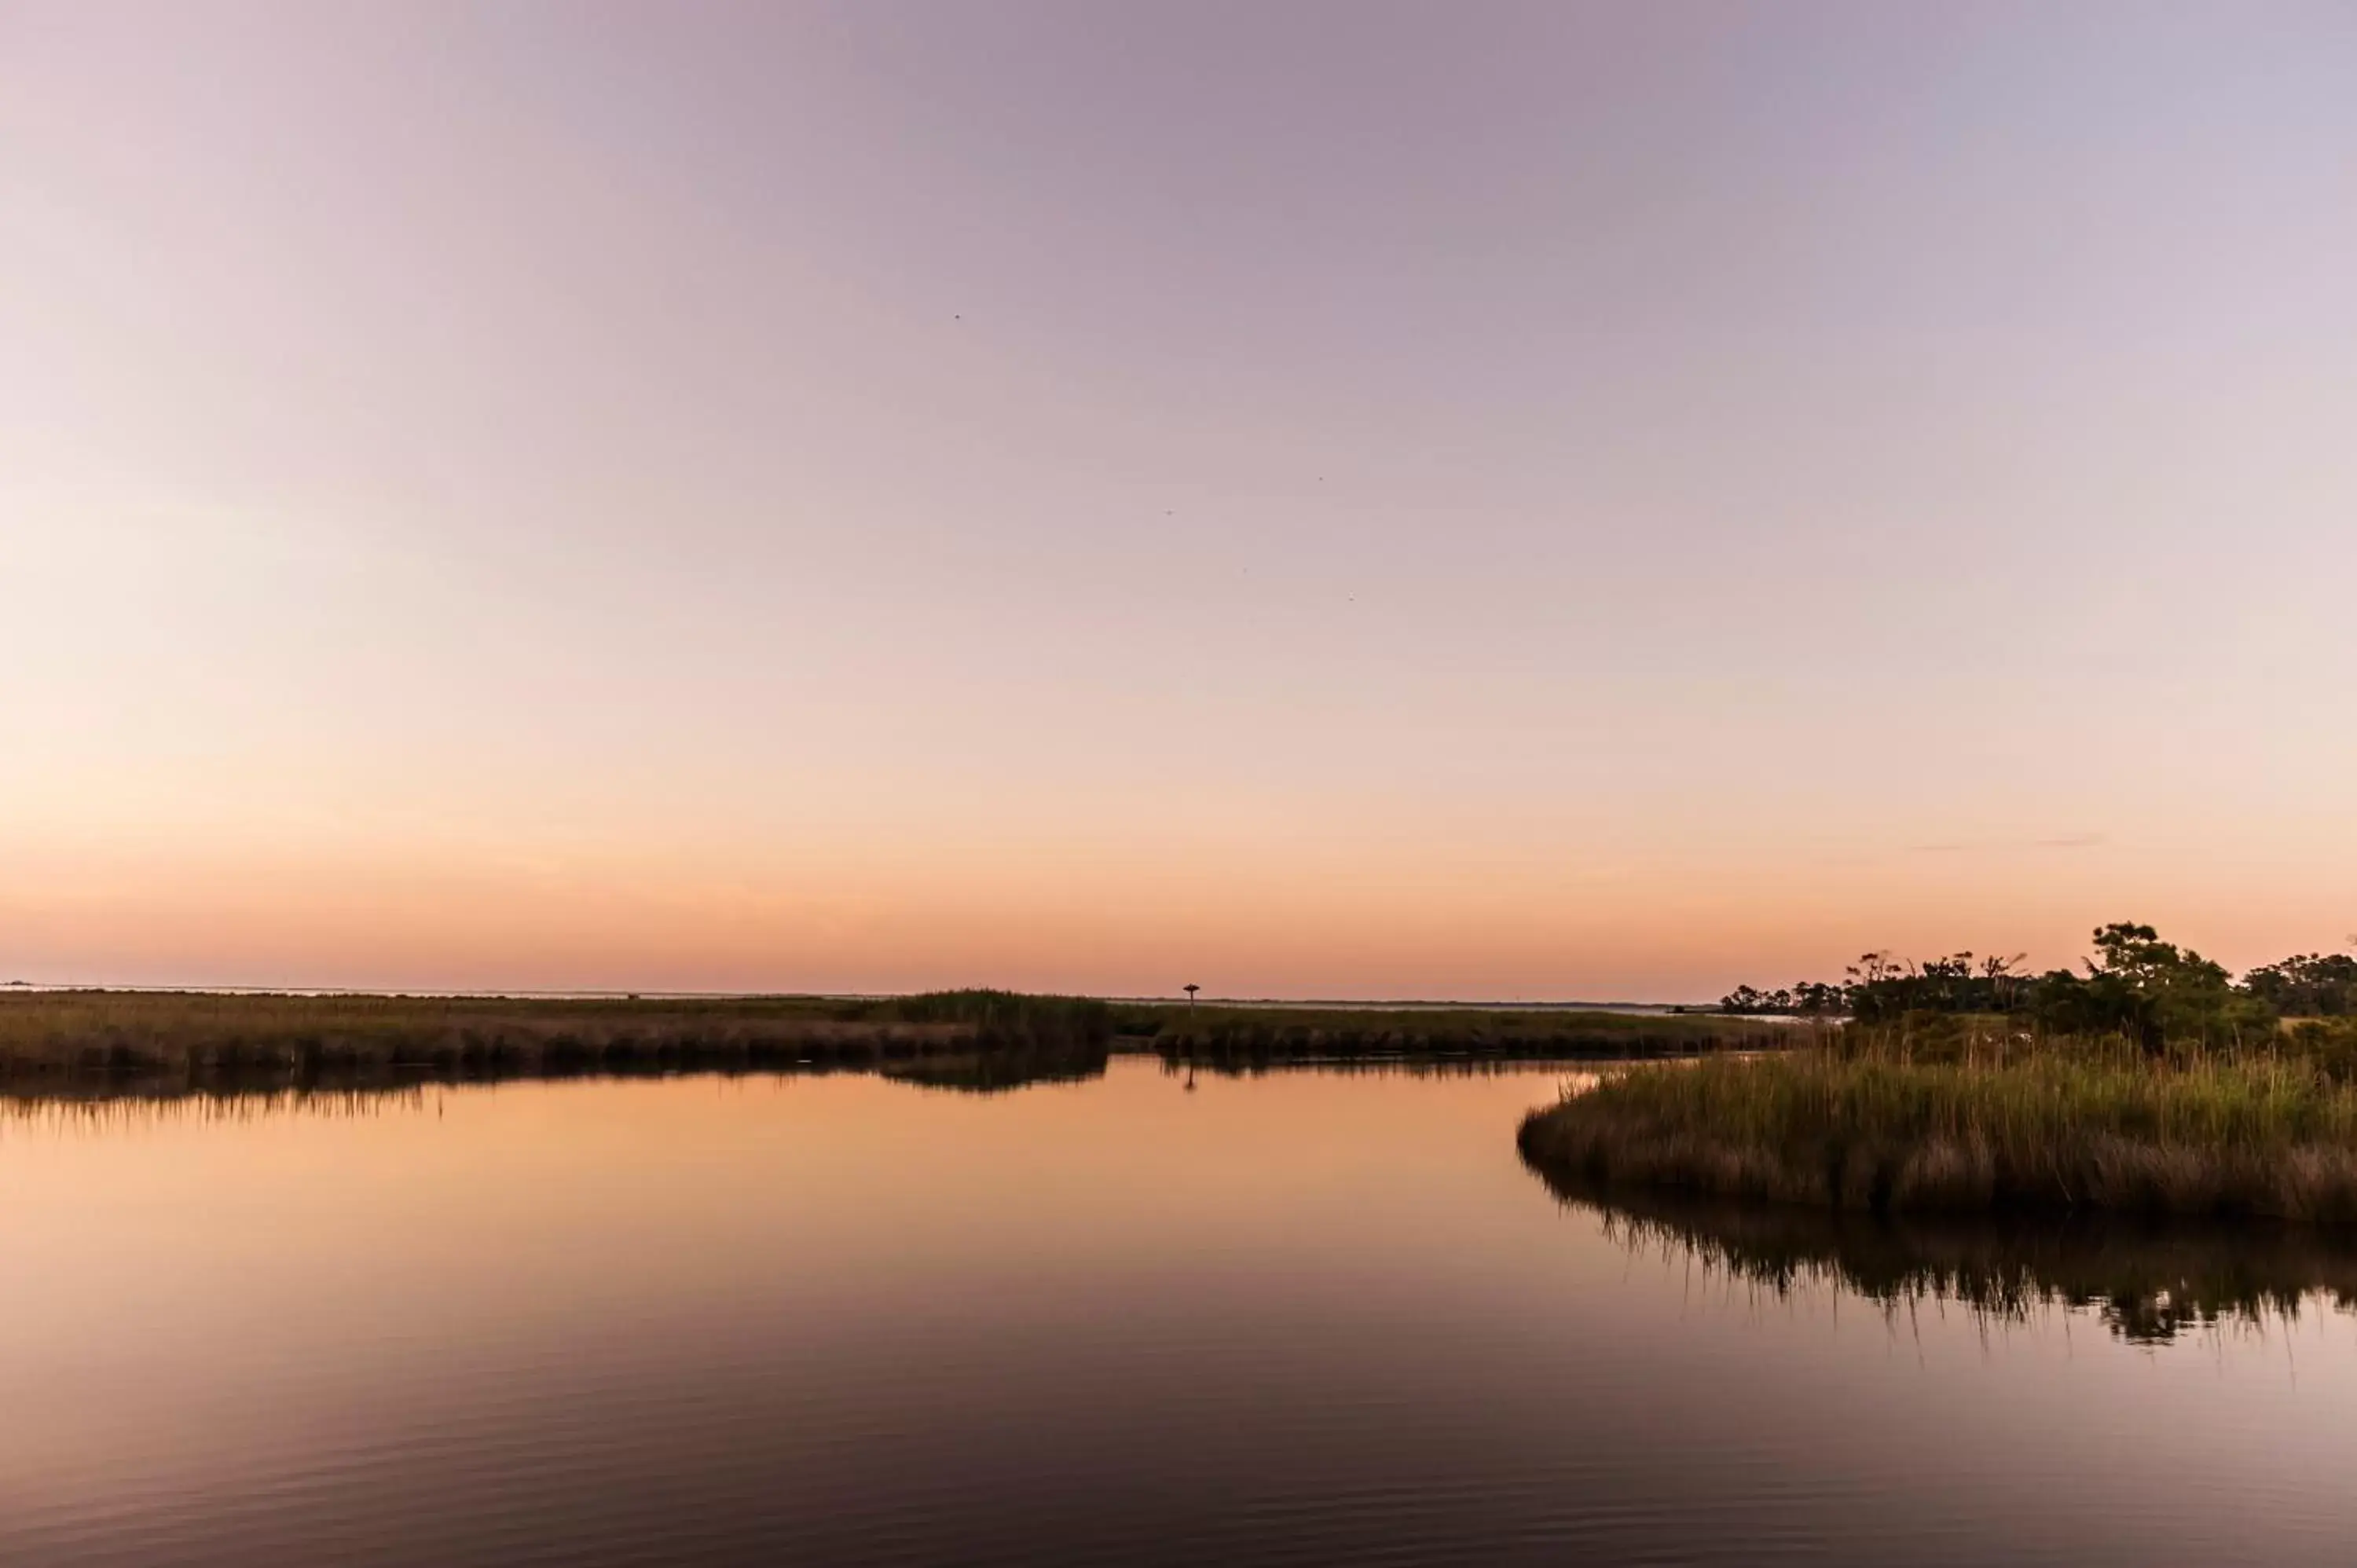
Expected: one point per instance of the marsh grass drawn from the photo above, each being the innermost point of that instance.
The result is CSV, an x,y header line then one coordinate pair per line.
x,y
1858,1122
1244,1037
183,1037
110,1042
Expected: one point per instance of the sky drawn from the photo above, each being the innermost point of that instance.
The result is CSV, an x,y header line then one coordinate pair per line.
x,y
1470,500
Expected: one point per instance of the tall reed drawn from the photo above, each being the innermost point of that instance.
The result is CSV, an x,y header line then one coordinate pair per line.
x,y
1988,1122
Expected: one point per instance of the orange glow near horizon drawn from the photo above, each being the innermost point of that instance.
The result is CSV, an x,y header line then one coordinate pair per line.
x,y
1336,917
774,500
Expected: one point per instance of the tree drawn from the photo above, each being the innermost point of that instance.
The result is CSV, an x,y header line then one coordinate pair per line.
x,y
2307,985
2153,991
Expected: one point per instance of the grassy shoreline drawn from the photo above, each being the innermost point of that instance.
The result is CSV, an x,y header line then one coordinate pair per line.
x,y
1229,1038
1863,1122
77,1035
53,1041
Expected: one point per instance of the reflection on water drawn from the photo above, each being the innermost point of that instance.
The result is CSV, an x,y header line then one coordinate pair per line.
x,y
997,1071
1302,1318
100,1102
234,1096
2149,1284
99,1110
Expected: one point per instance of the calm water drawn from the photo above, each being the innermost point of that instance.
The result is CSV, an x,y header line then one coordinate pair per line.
x,y
1312,1317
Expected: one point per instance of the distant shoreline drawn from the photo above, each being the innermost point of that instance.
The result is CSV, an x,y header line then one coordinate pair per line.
x,y
1349,1004
89,1039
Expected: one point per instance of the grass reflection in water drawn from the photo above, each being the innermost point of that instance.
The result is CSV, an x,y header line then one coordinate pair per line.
x,y
2148,1282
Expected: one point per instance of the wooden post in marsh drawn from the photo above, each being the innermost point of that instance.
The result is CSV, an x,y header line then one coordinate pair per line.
x,y
1190,988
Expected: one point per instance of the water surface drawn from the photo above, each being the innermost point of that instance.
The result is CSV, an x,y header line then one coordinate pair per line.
x,y
1309,1317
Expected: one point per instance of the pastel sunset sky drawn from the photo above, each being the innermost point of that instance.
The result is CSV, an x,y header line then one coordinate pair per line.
x,y
1472,500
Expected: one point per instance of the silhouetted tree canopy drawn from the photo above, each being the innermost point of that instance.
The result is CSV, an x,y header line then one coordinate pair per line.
x,y
2307,985
2135,985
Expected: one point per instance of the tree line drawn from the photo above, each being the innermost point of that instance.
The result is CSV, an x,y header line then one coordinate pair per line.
x,y
2135,984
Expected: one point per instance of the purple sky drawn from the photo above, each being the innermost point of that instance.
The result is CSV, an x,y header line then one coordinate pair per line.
x,y
1335,499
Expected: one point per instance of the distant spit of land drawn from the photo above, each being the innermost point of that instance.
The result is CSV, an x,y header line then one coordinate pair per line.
x,y
53,1038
